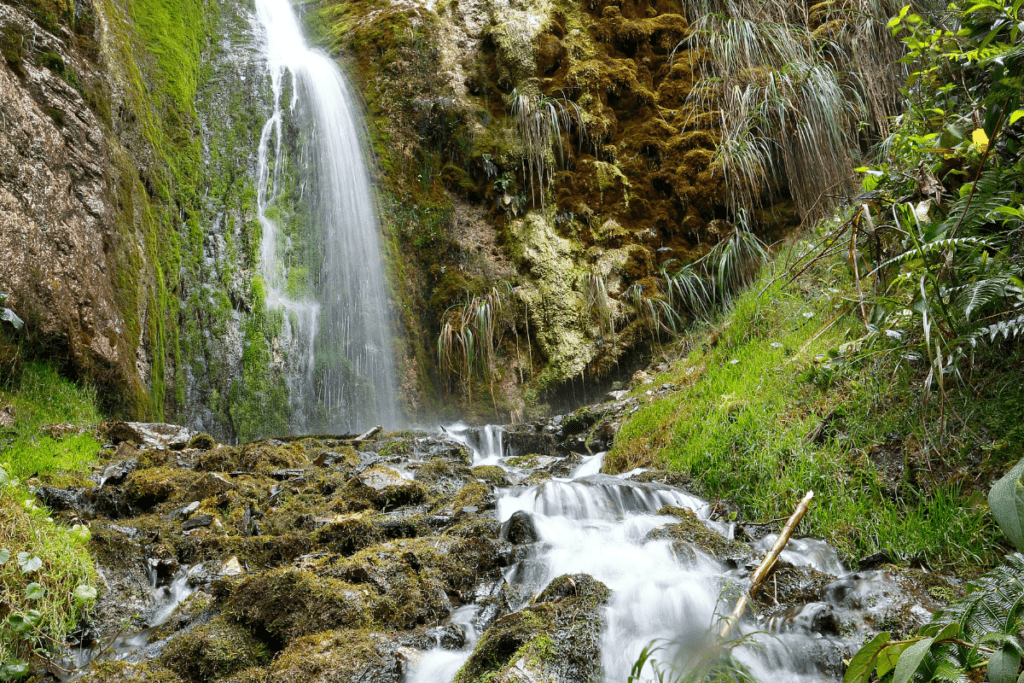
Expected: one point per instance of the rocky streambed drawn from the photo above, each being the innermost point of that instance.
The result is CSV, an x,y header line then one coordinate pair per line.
x,y
459,554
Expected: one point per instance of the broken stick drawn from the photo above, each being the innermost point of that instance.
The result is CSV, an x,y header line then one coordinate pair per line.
x,y
766,565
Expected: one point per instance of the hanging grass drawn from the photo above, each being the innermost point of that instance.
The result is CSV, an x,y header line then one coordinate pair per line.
x,y
799,89
542,121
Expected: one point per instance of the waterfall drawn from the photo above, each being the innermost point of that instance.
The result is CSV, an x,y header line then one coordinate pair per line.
x,y
342,365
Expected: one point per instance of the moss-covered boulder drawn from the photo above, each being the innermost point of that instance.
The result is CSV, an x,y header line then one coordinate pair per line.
x,y
690,536
385,488
492,474
290,603
343,656
258,456
556,638
443,477
120,671
202,442
213,650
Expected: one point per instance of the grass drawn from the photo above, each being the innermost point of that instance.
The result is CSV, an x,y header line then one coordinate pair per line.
x,y
66,565
893,468
44,398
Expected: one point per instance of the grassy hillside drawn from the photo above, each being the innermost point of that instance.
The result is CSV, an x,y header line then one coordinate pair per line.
x,y
785,393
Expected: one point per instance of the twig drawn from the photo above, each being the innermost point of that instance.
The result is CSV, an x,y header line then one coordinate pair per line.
x,y
767,563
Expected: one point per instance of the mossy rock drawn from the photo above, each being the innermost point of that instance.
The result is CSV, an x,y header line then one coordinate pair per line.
x,y
786,586
405,590
258,456
203,442
342,656
385,488
536,478
393,447
690,535
213,650
523,461
124,672
443,478
420,571
557,638
150,487
475,495
347,534
492,474
290,603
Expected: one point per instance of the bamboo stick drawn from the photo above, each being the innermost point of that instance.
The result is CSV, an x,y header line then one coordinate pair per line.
x,y
766,565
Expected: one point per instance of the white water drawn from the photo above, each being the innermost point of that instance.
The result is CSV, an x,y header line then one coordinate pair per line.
x,y
596,524
343,369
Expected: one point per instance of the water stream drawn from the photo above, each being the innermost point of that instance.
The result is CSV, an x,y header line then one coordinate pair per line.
x,y
342,364
598,524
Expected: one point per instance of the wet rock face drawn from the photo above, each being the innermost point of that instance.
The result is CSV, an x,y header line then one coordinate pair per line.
x,y
57,217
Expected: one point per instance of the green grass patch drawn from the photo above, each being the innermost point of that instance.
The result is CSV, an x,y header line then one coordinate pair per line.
x,y
64,565
41,399
778,398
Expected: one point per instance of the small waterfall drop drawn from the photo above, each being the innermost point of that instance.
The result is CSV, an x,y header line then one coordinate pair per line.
x,y
342,365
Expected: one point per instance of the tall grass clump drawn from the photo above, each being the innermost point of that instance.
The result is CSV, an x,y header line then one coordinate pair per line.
x,y
541,122
793,85
471,335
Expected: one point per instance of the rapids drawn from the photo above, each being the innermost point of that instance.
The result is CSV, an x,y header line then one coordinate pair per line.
x,y
598,525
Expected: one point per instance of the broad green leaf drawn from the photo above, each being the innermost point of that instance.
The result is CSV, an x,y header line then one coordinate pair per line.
x,y
5,555
1016,116
34,591
29,563
949,631
888,657
85,593
1003,665
81,533
864,661
910,660
1007,502
5,478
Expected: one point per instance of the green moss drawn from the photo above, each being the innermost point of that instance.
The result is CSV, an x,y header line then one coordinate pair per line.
x,y
213,650
690,533
203,442
290,603
492,474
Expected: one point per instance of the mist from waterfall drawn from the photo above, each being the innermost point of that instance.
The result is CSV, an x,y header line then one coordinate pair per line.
x,y
342,364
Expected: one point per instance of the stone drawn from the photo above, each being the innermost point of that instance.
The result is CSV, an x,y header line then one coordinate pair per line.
x,y
197,521
60,500
385,487
210,485
231,567
150,435
519,528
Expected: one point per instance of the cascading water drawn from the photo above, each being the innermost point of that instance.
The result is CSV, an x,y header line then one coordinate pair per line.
x,y
343,369
599,525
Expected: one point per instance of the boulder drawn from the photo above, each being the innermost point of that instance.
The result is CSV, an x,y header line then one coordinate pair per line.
x,y
384,487
556,638
519,528
151,435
